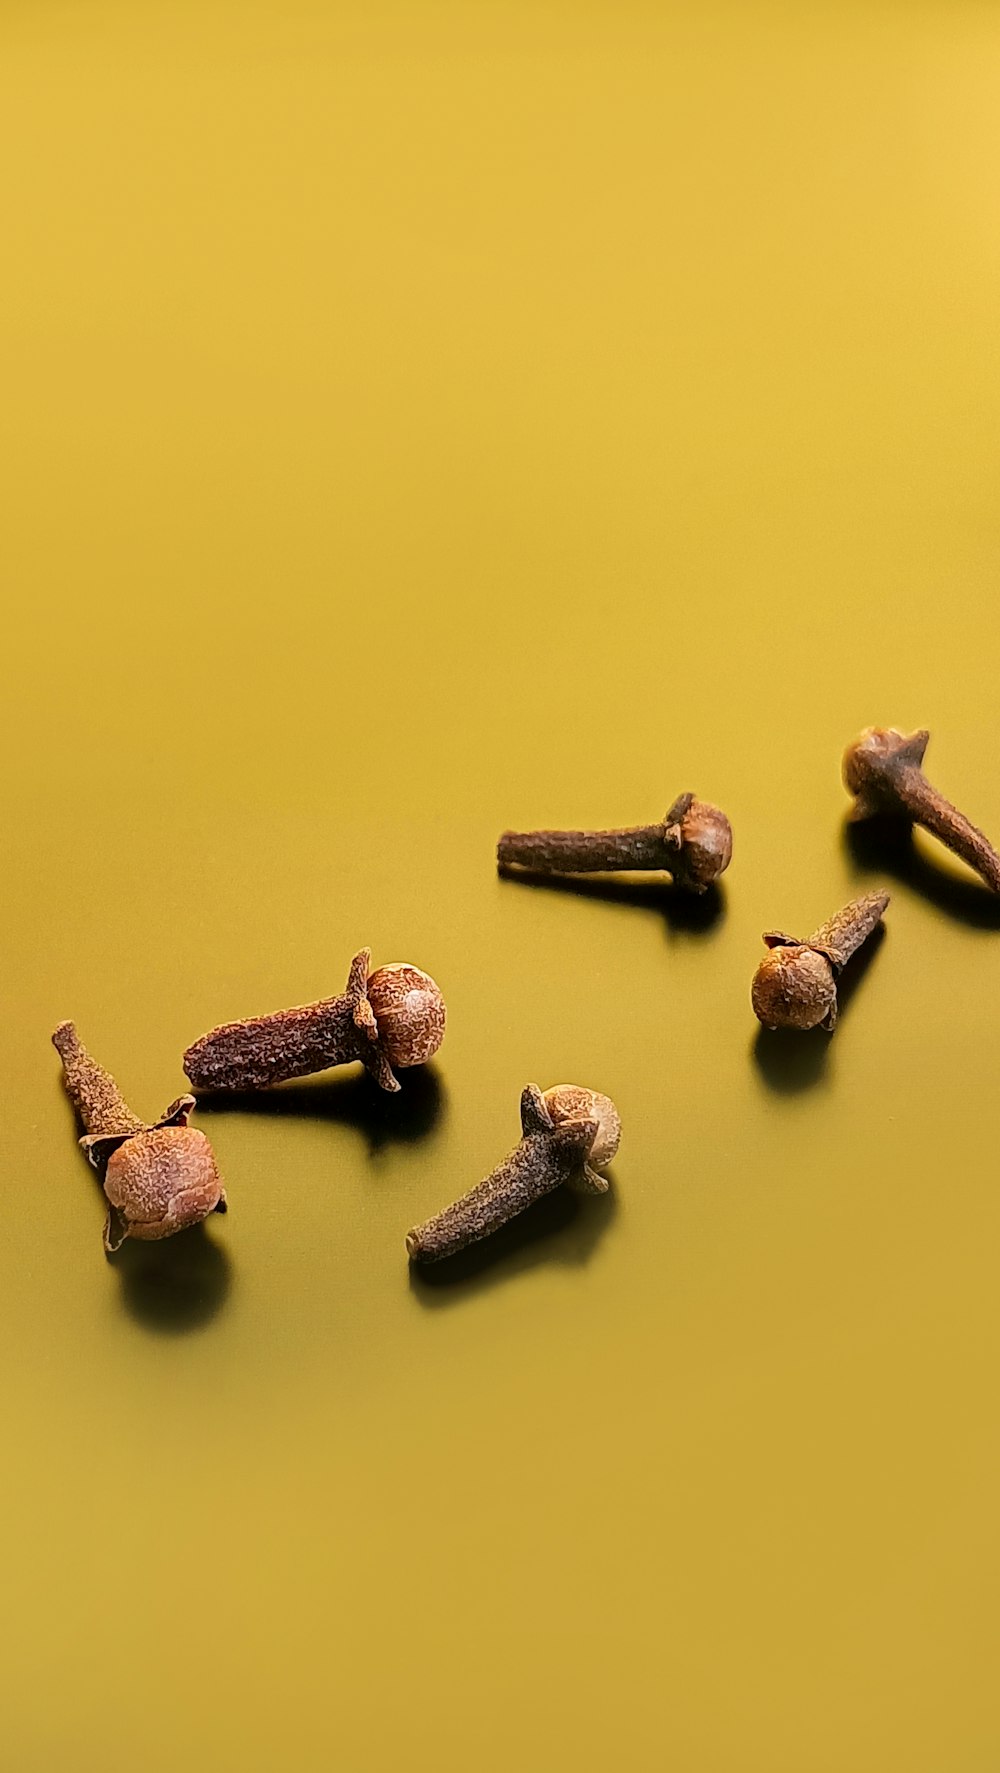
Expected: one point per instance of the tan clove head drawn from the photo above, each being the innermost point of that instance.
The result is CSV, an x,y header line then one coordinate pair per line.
x,y
410,1013
705,839
568,1102
162,1181
873,767
794,987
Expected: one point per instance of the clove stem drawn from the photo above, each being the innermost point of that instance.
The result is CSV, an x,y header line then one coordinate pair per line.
x,y
98,1101
842,935
952,828
587,852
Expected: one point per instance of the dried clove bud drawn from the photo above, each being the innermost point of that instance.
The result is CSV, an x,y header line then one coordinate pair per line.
x,y
883,769
795,985
694,844
567,1136
394,1017
158,1178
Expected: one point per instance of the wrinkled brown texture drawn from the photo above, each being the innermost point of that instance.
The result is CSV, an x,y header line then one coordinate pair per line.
x,y
694,844
882,768
795,985
410,1013
395,1017
843,933
162,1181
568,1102
548,1156
93,1092
158,1178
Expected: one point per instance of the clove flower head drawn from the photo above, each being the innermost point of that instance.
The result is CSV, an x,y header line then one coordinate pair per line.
x,y
876,759
703,838
794,987
569,1102
162,1181
409,1011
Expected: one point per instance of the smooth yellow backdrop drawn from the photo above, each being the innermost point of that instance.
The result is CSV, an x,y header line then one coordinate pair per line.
x,y
421,417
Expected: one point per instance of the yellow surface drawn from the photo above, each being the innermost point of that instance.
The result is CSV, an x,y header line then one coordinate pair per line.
x,y
421,418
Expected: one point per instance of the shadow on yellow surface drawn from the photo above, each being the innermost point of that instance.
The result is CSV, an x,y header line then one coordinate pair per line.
x,y
384,1119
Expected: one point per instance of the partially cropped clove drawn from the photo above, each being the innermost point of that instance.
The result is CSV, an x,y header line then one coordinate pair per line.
x,y
568,1135
158,1178
795,985
694,844
393,1017
882,768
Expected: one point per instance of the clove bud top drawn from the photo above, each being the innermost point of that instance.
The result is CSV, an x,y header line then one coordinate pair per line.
x,y
794,987
409,1011
703,838
570,1102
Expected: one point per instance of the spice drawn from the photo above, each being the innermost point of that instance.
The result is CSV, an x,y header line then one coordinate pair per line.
x,y
567,1136
795,985
158,1178
694,844
883,769
394,1017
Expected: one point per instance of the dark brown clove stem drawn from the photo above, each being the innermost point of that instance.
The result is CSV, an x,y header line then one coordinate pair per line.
x,y
99,1103
565,1134
158,1178
394,1017
795,985
694,844
843,933
883,769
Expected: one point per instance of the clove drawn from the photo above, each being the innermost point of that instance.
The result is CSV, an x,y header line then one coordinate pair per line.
x,y
694,844
795,985
157,1178
883,769
394,1017
568,1135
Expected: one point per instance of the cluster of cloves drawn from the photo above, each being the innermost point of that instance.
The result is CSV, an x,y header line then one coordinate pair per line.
x,y
161,1177
795,985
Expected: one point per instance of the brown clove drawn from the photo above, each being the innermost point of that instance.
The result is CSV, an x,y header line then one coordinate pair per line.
x,y
158,1178
795,985
394,1017
694,844
883,769
568,1135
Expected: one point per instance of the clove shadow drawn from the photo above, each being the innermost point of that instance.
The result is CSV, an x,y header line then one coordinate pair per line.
x,y
889,847
383,1118
789,1059
682,912
176,1285
562,1227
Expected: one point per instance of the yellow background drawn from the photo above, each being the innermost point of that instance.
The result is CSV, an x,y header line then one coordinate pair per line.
x,y
421,418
